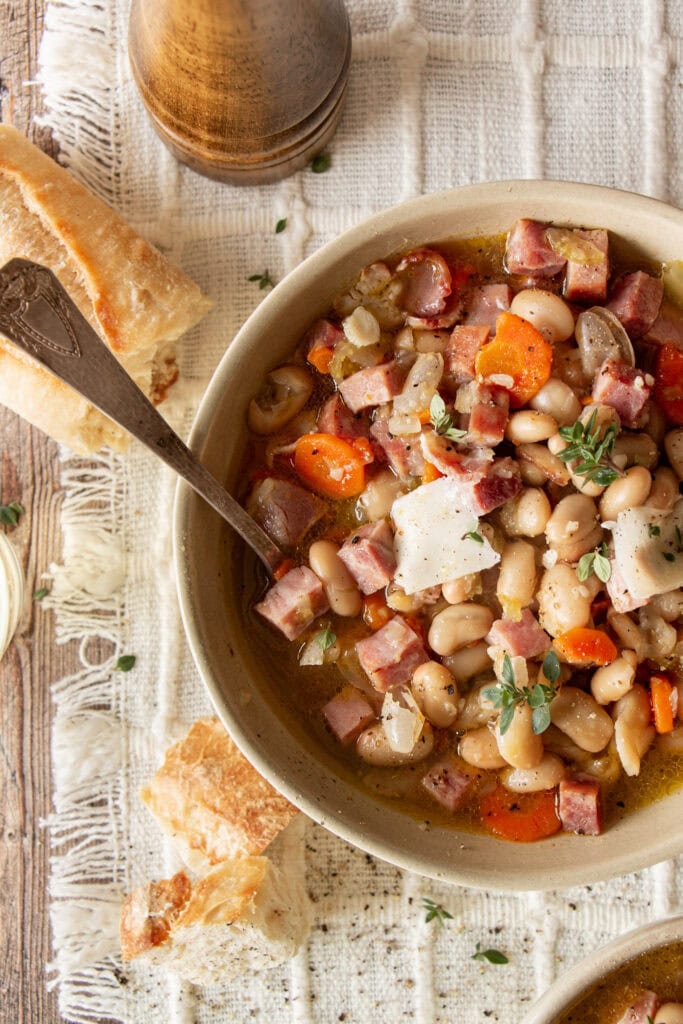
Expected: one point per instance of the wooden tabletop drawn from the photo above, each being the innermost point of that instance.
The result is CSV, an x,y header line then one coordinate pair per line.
x,y
30,475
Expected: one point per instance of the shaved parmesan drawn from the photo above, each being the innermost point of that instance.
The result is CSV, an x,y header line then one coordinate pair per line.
x,y
431,537
648,550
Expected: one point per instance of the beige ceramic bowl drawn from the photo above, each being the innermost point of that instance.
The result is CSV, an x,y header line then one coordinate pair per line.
x,y
572,985
210,592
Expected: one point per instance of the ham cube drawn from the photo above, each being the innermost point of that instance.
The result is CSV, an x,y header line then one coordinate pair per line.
x,y
348,713
486,303
489,416
427,283
668,327
294,602
528,251
391,655
524,638
323,334
642,1010
461,352
284,510
625,388
485,482
636,300
448,784
579,806
369,556
336,418
403,453
372,386
500,482
588,282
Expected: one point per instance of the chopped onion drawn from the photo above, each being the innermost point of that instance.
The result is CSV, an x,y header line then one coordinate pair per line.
x,y
402,423
402,722
600,335
312,653
421,383
573,247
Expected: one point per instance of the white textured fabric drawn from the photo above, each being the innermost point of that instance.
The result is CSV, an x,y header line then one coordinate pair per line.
x,y
441,93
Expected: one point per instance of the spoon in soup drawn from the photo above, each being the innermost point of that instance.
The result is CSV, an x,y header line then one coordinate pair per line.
x,y
38,315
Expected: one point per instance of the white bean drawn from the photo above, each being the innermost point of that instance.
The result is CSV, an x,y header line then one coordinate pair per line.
x,y
411,603
547,774
549,313
340,588
529,425
532,475
557,444
612,681
379,495
436,693
580,716
673,443
476,709
557,400
573,528
459,625
568,366
661,636
516,585
664,492
630,491
655,425
519,745
633,733
456,591
469,662
542,460
373,747
629,633
284,393
635,450
668,605
669,1013
526,515
671,743
563,601
479,748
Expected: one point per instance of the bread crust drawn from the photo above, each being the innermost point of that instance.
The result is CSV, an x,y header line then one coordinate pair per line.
x,y
148,913
212,802
135,299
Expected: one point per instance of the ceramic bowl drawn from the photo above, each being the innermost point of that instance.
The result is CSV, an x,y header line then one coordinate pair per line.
x,y
580,979
207,554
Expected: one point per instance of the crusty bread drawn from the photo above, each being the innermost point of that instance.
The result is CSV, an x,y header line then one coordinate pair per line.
x,y
243,916
136,300
211,801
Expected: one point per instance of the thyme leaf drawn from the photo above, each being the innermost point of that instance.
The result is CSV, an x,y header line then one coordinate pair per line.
x,y
321,163
435,912
325,638
491,956
473,535
39,594
9,514
597,562
125,663
281,225
442,421
264,280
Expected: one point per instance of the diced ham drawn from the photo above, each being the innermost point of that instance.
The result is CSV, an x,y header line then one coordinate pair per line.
x,y
461,351
403,453
524,638
323,334
348,713
485,482
391,655
636,299
336,418
489,416
668,327
448,784
622,600
642,1010
485,304
372,386
588,282
579,806
529,252
369,556
426,280
284,510
624,388
294,602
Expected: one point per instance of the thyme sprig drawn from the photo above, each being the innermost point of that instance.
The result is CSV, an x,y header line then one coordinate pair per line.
x,y
442,421
435,912
506,695
264,280
591,450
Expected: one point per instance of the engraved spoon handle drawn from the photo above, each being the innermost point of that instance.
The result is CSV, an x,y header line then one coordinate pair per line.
x,y
37,314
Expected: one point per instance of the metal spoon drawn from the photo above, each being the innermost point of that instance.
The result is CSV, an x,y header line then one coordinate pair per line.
x,y
37,314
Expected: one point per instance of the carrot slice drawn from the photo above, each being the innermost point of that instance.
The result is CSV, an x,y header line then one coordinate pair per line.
x,y
521,818
376,611
321,356
669,383
329,465
583,646
518,351
430,473
283,568
662,709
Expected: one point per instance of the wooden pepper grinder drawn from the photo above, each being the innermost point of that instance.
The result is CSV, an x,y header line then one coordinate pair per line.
x,y
246,91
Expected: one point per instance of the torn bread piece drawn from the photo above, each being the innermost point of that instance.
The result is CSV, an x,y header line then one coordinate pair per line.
x,y
211,801
135,299
244,916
